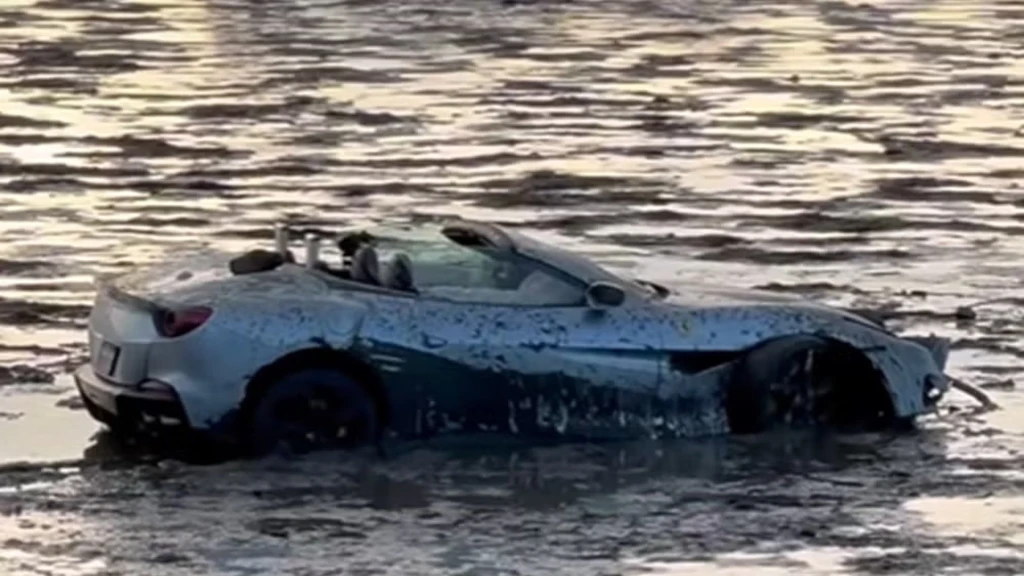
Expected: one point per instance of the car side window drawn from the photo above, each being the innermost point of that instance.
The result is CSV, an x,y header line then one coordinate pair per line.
x,y
512,286
451,272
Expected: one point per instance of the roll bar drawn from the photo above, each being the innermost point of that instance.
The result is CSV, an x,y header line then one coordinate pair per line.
x,y
311,243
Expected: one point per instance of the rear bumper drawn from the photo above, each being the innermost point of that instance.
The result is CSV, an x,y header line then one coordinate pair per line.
x,y
127,408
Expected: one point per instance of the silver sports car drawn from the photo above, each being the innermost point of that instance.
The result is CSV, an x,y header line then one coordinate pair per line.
x,y
421,331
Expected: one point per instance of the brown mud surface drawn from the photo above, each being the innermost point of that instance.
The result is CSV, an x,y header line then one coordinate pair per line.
x,y
866,154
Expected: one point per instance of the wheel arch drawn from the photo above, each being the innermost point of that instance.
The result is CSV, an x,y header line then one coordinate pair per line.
x,y
873,394
319,357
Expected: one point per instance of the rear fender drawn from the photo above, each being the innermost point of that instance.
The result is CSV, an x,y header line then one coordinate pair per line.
x,y
211,368
324,321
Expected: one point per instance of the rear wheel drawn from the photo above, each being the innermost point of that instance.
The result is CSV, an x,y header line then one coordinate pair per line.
x,y
803,382
310,409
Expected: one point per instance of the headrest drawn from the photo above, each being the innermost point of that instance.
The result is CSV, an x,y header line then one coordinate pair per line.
x,y
398,273
365,267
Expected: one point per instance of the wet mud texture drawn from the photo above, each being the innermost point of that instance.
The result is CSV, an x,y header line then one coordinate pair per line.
x,y
793,502
862,154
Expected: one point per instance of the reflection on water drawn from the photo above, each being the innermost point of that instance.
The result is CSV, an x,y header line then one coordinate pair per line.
x,y
866,154
560,510
806,562
807,503
1001,517
35,429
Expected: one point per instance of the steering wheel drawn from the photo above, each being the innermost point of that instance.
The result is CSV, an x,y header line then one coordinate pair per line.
x,y
507,275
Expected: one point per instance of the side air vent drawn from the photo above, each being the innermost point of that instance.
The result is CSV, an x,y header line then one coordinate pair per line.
x,y
698,361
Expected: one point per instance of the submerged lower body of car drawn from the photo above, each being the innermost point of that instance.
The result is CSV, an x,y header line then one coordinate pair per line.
x,y
154,371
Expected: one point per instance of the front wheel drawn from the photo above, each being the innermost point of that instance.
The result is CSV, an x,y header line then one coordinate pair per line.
x,y
311,409
789,382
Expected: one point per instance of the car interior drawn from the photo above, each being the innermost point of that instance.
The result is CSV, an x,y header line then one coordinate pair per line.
x,y
495,279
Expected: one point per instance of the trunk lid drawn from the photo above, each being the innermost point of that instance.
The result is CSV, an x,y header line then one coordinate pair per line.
x,y
150,284
123,320
205,278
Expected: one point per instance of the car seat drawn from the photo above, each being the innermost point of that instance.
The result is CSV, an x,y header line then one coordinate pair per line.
x,y
365,267
398,273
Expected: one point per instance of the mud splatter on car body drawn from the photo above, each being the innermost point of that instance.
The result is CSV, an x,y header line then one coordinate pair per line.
x,y
484,359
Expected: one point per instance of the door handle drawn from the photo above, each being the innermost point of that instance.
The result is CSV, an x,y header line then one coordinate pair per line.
x,y
433,341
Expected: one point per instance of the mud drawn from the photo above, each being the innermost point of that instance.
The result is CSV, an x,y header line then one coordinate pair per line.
x,y
565,510
862,154
16,313
23,374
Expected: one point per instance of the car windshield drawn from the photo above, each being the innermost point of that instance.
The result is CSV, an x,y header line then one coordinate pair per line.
x,y
446,270
581,267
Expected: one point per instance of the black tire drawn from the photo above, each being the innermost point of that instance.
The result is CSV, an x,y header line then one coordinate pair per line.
x,y
309,409
789,382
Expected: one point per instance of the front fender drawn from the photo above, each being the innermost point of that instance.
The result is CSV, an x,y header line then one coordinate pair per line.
x,y
910,367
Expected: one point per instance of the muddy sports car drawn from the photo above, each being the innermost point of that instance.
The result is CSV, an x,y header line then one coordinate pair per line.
x,y
421,331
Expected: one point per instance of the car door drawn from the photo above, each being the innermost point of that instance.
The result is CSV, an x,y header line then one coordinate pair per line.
x,y
477,363
611,366
494,361
546,368
455,366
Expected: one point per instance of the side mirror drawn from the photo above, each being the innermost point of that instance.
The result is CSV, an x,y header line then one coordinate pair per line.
x,y
603,295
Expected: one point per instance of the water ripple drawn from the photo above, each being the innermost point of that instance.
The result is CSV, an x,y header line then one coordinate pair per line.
x,y
865,154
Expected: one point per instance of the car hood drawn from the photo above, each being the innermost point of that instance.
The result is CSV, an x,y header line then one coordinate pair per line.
x,y
707,296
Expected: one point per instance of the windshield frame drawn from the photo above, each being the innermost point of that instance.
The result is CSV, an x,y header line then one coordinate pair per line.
x,y
502,245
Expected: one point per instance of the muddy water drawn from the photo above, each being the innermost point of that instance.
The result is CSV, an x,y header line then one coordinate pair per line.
x,y
867,154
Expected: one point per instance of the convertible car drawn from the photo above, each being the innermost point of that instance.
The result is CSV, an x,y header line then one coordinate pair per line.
x,y
421,331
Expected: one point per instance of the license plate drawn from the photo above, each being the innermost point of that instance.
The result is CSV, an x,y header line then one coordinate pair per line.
x,y
106,359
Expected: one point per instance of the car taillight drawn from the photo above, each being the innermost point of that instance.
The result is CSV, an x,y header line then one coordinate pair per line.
x,y
175,323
